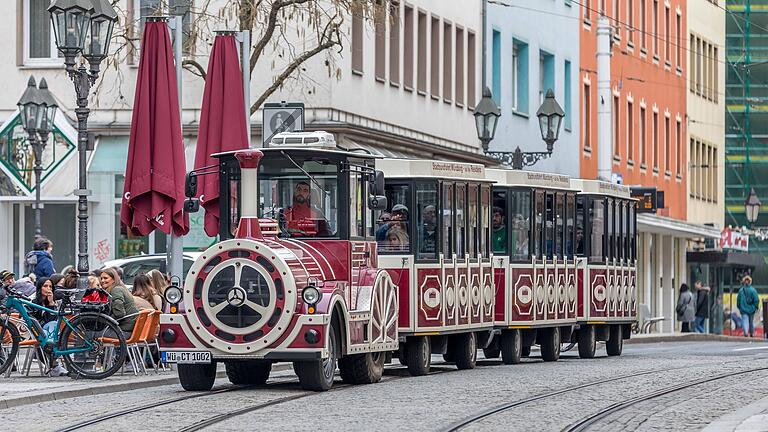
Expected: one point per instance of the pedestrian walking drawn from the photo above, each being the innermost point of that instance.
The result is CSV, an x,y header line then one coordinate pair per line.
x,y
685,308
748,302
702,307
40,261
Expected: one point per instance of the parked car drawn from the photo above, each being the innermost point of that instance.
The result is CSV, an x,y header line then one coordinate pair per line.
x,y
135,265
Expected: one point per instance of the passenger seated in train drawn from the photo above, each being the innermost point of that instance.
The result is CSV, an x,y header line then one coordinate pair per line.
x,y
398,216
428,230
397,239
499,231
519,226
302,218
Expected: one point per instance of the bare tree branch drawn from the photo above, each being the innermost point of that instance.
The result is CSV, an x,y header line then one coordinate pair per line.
x,y
269,31
194,67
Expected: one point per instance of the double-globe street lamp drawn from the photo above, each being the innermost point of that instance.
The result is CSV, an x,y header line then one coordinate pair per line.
x,y
82,28
37,109
550,115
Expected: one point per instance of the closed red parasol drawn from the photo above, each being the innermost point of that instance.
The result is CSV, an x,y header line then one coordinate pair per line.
x,y
222,123
153,196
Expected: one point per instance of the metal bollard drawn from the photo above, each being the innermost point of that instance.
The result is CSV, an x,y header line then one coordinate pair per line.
x,y
765,319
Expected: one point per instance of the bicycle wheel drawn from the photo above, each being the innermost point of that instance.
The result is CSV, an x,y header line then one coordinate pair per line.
x,y
9,344
95,349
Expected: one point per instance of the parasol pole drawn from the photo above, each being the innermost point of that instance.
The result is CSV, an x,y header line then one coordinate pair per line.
x,y
244,37
174,256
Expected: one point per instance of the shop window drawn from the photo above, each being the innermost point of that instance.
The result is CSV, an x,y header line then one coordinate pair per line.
x,y
426,220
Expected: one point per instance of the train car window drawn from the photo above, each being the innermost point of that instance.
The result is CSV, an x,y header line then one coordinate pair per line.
x,y
447,219
499,237
393,232
472,225
610,232
461,220
357,207
632,236
234,206
538,229
485,220
580,228
549,226
559,224
520,224
305,206
426,221
596,221
570,215
622,222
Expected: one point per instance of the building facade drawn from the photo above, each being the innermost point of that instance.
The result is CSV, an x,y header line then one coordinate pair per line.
x,y
523,61
404,84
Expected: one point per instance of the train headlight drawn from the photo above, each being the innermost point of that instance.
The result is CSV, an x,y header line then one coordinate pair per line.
x,y
311,295
172,294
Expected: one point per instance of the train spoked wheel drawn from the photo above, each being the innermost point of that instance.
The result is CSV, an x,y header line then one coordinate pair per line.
x,y
362,368
587,341
464,347
512,346
197,377
418,355
550,344
250,372
615,343
317,375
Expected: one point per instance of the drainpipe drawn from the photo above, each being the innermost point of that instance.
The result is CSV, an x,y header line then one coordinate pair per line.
x,y
605,98
484,80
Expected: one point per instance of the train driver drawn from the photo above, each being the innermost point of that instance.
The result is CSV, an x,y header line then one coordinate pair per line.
x,y
301,213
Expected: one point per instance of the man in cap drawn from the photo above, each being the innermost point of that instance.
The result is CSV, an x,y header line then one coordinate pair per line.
x,y
398,217
6,280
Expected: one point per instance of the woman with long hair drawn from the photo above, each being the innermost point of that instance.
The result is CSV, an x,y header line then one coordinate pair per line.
x,y
144,293
685,309
159,283
121,301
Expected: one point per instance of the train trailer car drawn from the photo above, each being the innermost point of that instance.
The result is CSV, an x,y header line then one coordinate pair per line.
x,y
606,227
536,263
295,276
434,240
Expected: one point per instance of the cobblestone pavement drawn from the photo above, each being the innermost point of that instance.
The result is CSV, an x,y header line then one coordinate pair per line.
x,y
436,401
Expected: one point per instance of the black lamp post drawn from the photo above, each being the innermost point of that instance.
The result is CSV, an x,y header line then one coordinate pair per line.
x,y
752,206
550,116
82,27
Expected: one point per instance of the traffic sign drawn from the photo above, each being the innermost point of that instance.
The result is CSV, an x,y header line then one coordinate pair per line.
x,y
281,117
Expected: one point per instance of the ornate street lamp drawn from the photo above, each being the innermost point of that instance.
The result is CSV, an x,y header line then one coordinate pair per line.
x,y
550,116
752,207
82,27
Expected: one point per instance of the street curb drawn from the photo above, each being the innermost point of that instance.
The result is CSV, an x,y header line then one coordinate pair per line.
x,y
693,337
116,388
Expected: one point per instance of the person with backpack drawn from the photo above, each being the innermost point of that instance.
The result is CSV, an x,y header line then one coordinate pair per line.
x,y
748,302
685,308
40,261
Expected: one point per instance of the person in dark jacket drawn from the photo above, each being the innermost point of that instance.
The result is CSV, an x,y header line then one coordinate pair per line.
x,y
685,308
41,251
123,307
702,307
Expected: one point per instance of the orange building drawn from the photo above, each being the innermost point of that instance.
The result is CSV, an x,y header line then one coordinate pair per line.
x,y
648,85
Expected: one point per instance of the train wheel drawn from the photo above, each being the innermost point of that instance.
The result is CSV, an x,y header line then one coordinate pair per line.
x,y
511,346
418,355
362,368
318,375
615,343
550,344
526,351
465,350
587,341
197,377
252,372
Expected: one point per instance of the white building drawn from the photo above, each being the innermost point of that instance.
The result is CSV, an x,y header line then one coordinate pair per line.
x,y
421,64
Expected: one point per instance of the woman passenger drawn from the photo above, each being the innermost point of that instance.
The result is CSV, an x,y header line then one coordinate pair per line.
x,y
123,307
144,294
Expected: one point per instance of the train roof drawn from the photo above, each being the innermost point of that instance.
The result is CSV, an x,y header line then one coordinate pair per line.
x,y
421,168
338,152
598,187
508,177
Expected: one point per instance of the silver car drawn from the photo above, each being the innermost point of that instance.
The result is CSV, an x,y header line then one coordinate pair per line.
x,y
142,264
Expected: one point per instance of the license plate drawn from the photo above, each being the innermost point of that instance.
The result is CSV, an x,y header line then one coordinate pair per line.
x,y
186,357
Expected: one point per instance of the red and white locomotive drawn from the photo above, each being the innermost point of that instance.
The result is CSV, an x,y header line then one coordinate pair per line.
x,y
332,258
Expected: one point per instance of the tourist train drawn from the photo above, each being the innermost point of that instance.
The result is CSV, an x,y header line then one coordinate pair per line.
x,y
332,258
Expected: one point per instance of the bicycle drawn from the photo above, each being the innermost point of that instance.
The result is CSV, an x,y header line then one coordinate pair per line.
x,y
91,343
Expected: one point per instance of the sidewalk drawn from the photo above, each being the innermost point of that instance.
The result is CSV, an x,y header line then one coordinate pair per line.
x,y
689,337
22,390
751,418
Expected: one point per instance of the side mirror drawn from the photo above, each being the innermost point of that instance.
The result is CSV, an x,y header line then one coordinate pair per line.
x,y
377,202
378,183
190,185
191,205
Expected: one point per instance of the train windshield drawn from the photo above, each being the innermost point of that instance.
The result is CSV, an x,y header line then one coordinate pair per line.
x,y
301,193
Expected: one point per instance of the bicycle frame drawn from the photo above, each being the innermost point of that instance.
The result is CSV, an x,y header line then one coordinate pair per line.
x,y
17,304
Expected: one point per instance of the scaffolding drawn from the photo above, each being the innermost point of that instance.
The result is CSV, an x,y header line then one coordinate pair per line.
x,y
746,118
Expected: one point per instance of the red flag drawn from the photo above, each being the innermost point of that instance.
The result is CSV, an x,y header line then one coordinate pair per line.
x,y
222,122
153,196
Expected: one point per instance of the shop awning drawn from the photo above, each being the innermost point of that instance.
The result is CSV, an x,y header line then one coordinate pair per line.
x,y
647,223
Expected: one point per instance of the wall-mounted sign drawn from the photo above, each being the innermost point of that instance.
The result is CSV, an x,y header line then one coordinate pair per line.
x,y
734,240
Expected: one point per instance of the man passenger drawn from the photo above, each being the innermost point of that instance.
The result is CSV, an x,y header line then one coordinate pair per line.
x,y
499,231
